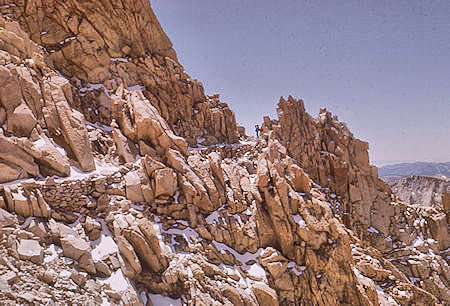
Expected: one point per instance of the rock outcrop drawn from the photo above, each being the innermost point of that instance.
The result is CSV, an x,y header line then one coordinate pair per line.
x,y
421,190
123,183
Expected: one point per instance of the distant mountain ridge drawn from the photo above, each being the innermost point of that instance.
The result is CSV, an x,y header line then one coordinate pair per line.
x,y
393,173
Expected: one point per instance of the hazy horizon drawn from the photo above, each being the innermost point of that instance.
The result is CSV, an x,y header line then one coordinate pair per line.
x,y
382,67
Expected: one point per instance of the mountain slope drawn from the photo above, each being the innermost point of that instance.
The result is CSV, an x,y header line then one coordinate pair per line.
x,y
123,183
392,173
421,190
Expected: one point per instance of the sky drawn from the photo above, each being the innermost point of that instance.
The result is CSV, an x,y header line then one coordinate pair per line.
x,y
382,66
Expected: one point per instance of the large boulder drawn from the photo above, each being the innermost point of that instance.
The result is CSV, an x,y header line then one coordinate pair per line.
x,y
22,121
265,295
133,187
80,250
165,182
30,250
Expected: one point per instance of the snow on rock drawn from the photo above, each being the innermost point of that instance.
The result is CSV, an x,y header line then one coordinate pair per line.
x,y
105,245
52,254
373,230
383,296
292,265
136,88
161,300
299,220
243,258
117,281
104,128
257,271
214,216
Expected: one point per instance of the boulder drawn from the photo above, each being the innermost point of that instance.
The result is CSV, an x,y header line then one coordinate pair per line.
x,y
165,182
22,121
133,187
7,219
80,250
16,158
73,125
265,295
30,250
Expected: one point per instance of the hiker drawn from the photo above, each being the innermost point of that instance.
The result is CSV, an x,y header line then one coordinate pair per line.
x,y
257,130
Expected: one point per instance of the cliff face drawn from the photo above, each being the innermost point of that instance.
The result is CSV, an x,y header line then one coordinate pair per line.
x,y
102,45
421,190
105,199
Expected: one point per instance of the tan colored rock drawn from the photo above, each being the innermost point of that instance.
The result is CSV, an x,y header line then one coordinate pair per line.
x,y
10,94
133,187
165,182
75,134
7,219
265,294
152,128
17,159
21,121
123,146
93,228
143,249
127,251
302,183
2,116
192,186
446,204
10,173
30,250
80,250
18,202
51,161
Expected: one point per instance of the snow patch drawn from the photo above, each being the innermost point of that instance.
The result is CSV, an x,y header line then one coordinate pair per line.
x,y
373,230
53,254
104,128
136,88
117,281
243,258
299,220
161,300
105,245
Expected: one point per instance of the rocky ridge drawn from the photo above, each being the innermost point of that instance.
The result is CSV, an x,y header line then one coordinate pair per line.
x,y
422,190
109,197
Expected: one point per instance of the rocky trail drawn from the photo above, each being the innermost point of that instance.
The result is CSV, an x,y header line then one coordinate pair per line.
x,y
122,183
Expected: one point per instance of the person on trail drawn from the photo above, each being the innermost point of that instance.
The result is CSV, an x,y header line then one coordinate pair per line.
x,y
257,130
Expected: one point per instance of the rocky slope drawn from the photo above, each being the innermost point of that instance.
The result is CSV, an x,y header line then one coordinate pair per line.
x,y
421,190
124,184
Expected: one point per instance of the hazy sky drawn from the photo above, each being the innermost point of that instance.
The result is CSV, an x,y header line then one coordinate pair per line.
x,y
382,66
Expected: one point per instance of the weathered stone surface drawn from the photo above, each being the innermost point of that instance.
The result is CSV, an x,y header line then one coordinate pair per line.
x,y
127,251
297,215
133,187
21,121
30,250
16,158
265,294
165,182
80,250
75,134
7,219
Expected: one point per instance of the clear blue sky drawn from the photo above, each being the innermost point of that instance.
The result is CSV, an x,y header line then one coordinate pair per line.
x,y
382,66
